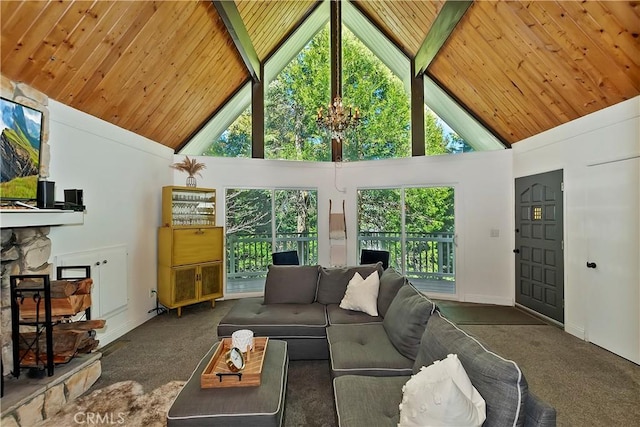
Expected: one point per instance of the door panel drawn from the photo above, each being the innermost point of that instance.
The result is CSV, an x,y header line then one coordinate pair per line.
x,y
613,201
539,233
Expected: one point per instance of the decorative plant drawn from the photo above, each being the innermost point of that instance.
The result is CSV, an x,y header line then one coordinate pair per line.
x,y
190,166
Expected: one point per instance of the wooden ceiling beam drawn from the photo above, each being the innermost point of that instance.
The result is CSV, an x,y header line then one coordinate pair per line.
x,y
450,14
230,15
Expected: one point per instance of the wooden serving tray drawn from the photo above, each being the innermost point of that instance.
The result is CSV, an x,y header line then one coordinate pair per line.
x,y
218,375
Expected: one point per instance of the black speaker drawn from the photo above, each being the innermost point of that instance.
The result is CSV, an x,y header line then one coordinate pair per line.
x,y
73,197
45,197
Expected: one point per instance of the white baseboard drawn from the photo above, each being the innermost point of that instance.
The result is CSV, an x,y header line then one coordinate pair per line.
x,y
575,331
113,334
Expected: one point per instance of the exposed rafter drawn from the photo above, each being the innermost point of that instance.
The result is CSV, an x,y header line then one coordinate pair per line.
x,y
450,14
228,11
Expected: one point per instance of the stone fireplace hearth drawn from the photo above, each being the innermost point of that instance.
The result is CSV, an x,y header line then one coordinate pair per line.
x,y
26,401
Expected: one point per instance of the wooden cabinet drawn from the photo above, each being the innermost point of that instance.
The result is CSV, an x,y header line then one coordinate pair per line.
x,y
190,248
188,207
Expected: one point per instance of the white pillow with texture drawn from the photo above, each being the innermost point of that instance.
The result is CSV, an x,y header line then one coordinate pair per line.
x,y
441,395
362,294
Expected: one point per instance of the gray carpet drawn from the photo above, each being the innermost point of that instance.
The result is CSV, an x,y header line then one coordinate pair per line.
x,y
588,385
486,314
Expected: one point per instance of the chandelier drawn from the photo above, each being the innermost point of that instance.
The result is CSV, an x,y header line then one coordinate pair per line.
x,y
338,119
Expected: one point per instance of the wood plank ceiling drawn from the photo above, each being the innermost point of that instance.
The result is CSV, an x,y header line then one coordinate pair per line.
x,y
162,68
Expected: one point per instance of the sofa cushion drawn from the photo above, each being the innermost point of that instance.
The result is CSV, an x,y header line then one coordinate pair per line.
x,y
364,350
274,320
442,394
368,401
362,294
333,281
340,316
291,284
406,319
499,381
390,283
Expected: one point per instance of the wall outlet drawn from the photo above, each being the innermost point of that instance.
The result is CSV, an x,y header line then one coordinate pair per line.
x,y
152,293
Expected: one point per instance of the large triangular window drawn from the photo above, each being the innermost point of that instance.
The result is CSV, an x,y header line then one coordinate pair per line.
x,y
376,79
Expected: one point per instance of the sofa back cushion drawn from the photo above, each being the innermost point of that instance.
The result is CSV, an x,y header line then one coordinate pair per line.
x,y
390,283
406,319
291,284
333,281
499,381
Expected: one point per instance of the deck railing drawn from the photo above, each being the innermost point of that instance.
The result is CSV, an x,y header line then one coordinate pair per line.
x,y
429,258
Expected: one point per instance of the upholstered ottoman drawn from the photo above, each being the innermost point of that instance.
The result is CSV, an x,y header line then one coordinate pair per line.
x,y
261,406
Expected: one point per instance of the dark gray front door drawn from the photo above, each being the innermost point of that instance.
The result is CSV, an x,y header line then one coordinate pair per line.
x,y
538,254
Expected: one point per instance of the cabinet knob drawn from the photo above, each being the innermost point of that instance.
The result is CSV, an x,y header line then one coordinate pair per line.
x,y
591,264
104,262
516,251
98,263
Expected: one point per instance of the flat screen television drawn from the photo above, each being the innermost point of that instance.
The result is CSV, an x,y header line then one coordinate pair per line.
x,y
19,151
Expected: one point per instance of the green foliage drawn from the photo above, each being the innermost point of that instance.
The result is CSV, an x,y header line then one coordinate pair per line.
x,y
248,211
296,211
384,104
291,101
236,140
429,210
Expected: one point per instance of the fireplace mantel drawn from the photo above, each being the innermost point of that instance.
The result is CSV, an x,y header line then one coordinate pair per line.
x,y
12,218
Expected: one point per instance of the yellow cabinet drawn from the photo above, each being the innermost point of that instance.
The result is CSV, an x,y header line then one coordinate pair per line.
x,y
188,207
190,257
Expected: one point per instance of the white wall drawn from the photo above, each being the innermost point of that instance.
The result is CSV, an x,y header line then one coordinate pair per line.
x,y
484,200
121,174
607,135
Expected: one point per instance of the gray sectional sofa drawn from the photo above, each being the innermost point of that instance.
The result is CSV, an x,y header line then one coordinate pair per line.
x,y
373,357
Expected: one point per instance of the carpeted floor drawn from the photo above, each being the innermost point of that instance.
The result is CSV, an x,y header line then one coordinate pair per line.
x,y
486,314
588,385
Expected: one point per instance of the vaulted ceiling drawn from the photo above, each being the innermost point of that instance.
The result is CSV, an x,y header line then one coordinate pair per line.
x,y
162,68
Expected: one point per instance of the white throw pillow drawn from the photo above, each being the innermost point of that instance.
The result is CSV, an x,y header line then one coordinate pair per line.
x,y
441,395
362,294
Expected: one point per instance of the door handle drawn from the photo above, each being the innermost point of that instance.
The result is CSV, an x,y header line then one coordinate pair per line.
x,y
591,264
516,251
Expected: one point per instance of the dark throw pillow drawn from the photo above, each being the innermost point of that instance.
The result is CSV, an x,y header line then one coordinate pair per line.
x,y
291,284
406,320
390,283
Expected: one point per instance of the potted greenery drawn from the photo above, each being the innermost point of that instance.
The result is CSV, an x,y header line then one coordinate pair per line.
x,y
190,166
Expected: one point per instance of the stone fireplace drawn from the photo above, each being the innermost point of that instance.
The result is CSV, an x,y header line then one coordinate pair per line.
x,y
25,250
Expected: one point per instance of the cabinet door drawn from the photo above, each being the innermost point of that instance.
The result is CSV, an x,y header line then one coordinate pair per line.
x,y
110,291
114,292
211,280
196,245
184,289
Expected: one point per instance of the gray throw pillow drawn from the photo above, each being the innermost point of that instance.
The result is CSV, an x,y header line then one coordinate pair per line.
x,y
333,281
390,283
291,284
406,319
498,380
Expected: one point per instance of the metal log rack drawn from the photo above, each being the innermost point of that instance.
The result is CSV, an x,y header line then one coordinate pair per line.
x,y
42,298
